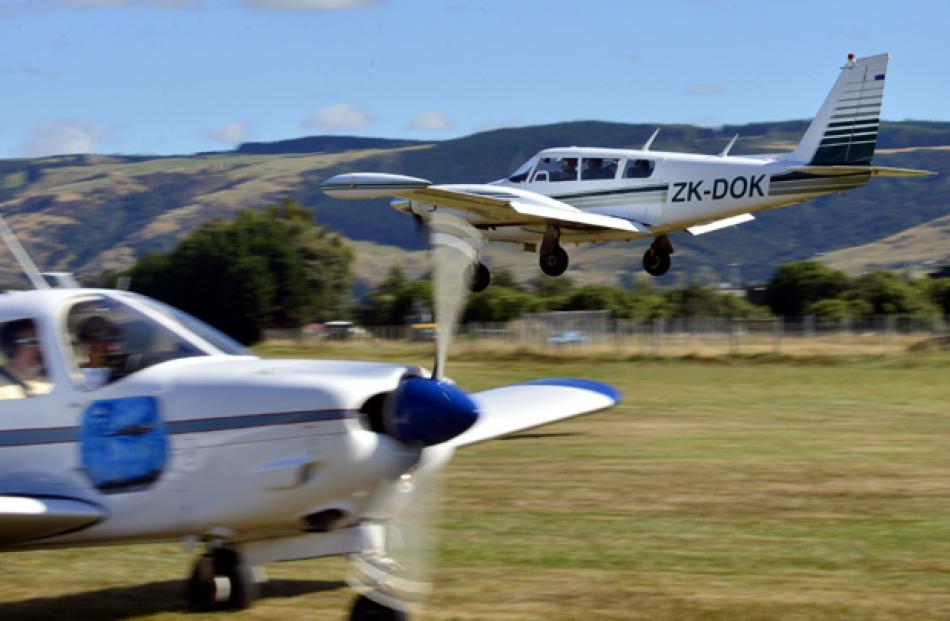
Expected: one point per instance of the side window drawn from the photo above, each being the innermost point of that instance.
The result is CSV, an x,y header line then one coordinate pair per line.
x,y
599,168
639,169
556,169
23,372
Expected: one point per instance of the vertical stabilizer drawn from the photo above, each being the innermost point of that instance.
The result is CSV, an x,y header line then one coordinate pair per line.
x,y
845,129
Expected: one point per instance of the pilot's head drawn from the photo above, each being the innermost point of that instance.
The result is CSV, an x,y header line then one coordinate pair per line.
x,y
21,346
102,337
569,162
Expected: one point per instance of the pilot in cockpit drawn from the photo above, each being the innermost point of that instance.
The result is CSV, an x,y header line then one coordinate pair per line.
x,y
568,169
23,375
103,341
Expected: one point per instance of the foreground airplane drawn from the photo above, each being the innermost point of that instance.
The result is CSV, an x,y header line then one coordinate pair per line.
x,y
125,420
582,194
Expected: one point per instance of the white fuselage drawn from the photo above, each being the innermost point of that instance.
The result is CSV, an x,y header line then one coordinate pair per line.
x,y
680,191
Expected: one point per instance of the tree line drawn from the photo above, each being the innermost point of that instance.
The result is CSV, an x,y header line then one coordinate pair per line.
x,y
272,268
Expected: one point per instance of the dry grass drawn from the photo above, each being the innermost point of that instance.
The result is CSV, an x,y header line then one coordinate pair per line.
x,y
720,489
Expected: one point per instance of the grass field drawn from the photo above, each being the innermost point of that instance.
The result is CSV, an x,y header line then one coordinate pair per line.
x,y
726,488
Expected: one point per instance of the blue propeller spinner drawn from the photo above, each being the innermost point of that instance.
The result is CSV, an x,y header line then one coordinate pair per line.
x,y
427,411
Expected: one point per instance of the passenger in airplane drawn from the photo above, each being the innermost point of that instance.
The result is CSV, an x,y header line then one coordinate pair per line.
x,y
24,375
568,169
103,340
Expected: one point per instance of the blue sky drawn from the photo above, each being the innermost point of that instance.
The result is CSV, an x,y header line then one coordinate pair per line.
x,y
179,76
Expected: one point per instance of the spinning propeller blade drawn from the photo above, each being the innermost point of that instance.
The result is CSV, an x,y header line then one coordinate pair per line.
x,y
423,413
454,246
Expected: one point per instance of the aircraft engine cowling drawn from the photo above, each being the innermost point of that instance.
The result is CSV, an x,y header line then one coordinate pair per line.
x,y
425,412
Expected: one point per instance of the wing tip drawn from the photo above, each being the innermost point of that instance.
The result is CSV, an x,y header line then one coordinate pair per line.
x,y
583,384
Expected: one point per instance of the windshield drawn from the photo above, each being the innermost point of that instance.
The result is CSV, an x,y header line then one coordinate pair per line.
x,y
110,339
216,338
521,175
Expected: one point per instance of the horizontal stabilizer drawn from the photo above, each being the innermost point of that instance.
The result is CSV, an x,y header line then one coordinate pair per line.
x,y
510,409
880,171
715,225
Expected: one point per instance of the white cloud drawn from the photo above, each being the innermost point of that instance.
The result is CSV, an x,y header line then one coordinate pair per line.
x,y
430,121
705,90
157,4
232,133
63,136
308,5
341,116
29,70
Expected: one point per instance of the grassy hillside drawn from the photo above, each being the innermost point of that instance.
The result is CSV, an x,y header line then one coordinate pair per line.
x,y
88,213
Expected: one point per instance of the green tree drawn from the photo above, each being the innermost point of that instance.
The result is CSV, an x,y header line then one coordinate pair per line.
x,y
264,269
796,285
887,294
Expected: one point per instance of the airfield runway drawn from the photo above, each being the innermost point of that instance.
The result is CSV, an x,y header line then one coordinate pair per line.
x,y
720,489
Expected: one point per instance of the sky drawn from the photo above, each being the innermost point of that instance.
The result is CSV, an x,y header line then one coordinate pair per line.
x,y
181,76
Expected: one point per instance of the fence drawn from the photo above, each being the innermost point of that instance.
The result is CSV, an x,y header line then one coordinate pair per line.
x,y
594,331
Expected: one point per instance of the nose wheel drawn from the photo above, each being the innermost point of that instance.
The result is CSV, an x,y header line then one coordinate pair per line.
x,y
221,580
478,277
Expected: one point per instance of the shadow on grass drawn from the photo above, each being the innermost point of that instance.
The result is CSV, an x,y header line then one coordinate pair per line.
x,y
139,601
534,436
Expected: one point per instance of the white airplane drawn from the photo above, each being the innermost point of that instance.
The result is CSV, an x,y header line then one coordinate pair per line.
x,y
125,420
582,194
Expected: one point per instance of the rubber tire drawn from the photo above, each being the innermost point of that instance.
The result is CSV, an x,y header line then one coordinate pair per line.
x,y
656,263
365,609
554,263
227,563
478,277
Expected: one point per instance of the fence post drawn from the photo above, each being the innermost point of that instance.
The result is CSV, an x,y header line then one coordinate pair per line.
x,y
657,334
778,329
733,337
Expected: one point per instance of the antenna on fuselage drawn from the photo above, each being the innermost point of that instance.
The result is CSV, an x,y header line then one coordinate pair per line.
x,y
20,254
728,148
646,145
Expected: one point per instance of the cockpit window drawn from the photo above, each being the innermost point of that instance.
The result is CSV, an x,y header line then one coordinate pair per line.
x,y
22,371
215,337
599,167
638,169
111,340
521,175
556,169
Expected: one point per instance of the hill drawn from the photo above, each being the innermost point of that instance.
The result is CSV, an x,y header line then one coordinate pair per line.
x,y
92,212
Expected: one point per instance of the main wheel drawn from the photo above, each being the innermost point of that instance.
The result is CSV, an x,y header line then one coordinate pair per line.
x,y
366,609
478,277
221,581
656,262
554,263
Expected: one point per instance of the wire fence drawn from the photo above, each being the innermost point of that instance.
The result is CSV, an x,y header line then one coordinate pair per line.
x,y
595,331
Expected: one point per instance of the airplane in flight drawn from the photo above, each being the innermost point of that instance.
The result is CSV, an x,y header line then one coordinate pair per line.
x,y
586,194
124,420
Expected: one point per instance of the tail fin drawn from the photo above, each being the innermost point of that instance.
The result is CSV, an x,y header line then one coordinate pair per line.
x,y
845,129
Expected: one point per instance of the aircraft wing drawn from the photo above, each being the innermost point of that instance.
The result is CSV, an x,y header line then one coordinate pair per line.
x,y
494,205
26,518
880,171
506,410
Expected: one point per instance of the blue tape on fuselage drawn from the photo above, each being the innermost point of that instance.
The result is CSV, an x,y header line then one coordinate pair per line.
x,y
123,443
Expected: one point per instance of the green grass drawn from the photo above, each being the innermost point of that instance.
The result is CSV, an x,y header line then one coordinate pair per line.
x,y
729,488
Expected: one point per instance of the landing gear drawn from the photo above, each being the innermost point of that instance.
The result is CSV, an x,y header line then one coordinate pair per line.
x,y
366,609
477,277
553,259
221,580
554,263
656,260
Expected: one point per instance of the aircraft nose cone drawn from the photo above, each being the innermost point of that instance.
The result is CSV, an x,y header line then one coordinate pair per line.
x,y
428,412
